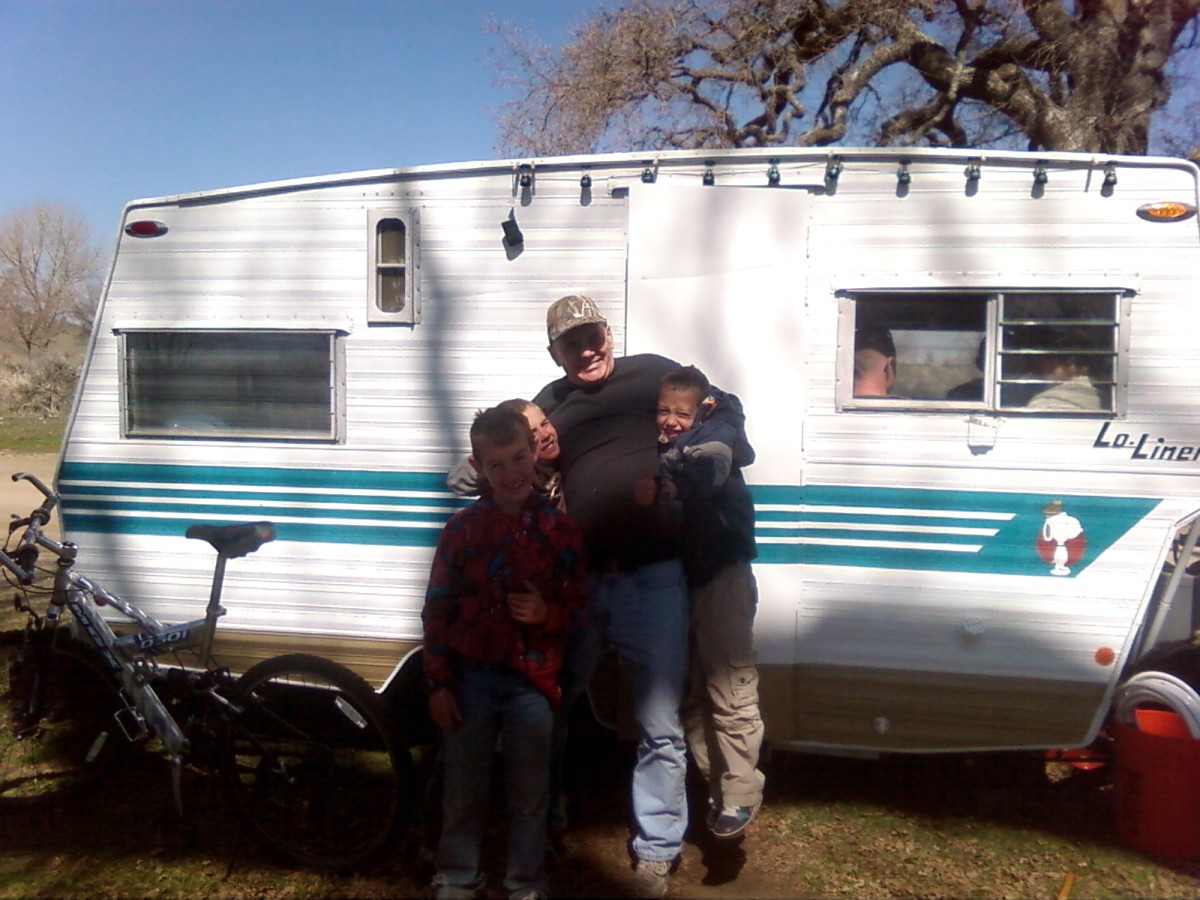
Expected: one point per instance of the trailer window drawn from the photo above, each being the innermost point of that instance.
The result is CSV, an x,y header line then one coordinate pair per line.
x,y
917,348
1058,352
1037,352
269,385
392,275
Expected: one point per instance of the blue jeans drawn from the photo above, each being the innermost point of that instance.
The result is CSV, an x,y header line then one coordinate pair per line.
x,y
644,616
495,702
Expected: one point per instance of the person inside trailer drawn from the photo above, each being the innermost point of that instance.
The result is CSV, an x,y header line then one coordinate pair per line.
x,y
1067,366
973,389
874,362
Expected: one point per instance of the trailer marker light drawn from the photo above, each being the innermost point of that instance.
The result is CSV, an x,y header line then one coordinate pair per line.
x,y
145,228
1166,211
1105,656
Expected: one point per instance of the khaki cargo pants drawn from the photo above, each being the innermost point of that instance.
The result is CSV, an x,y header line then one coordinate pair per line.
x,y
720,712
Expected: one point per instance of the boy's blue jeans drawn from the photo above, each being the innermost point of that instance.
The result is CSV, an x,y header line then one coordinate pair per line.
x,y
495,702
644,616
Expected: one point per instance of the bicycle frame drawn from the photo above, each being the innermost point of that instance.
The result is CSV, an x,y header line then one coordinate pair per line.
x,y
126,657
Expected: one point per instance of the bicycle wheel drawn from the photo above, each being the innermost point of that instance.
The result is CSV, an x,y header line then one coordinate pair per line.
x,y
311,763
57,727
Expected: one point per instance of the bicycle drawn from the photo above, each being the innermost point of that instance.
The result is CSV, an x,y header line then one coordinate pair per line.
x,y
303,743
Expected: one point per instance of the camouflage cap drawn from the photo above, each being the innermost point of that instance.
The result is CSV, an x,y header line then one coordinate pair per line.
x,y
570,312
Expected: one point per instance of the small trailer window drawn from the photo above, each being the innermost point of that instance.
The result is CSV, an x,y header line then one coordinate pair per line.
x,y
1037,352
393,268
270,385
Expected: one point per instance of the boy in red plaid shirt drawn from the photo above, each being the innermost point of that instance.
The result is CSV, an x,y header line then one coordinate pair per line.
x,y
507,583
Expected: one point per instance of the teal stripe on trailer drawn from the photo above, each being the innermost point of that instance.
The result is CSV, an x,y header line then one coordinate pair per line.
x,y
883,527
306,504
893,528
215,478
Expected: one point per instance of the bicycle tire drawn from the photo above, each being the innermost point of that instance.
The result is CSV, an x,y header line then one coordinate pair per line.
x,y
312,764
58,731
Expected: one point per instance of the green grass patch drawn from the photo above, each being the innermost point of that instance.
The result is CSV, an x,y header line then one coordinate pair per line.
x,y
31,434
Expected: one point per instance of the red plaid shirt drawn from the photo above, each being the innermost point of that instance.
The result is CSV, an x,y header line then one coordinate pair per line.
x,y
483,555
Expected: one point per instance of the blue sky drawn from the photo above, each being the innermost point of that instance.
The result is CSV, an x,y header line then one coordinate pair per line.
x,y
105,101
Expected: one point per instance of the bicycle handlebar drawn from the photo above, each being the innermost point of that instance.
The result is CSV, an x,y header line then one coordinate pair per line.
x,y
42,513
22,561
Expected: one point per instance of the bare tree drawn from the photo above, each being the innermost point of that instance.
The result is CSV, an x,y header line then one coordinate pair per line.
x,y
49,279
1085,75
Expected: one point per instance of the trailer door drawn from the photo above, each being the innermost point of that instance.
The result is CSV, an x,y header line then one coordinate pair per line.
x,y
717,279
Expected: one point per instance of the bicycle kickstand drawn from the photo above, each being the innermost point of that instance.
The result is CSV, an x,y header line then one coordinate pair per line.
x,y
177,783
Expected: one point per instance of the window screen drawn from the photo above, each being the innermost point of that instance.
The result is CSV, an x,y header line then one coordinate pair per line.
x,y
1058,352
243,384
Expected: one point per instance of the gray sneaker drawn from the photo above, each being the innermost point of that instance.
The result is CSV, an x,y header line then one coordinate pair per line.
x,y
650,878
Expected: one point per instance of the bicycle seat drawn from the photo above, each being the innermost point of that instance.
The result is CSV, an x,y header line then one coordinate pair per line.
x,y
232,541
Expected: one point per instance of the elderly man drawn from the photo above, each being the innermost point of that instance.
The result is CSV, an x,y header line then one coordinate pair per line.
x,y
604,410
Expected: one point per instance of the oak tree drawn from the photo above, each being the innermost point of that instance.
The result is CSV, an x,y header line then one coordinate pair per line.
x,y
1082,75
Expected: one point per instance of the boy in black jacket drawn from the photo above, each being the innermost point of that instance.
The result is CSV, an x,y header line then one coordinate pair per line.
x,y
702,447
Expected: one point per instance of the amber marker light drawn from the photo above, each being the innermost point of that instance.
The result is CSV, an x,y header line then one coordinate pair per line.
x,y
1166,211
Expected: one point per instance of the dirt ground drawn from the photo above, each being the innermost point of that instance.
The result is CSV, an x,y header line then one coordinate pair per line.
x,y
942,828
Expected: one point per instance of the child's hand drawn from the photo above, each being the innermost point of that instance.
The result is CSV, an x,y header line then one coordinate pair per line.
x,y
646,490
444,709
527,608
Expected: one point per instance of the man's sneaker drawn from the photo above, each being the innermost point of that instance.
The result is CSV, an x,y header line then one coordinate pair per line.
x,y
650,878
732,821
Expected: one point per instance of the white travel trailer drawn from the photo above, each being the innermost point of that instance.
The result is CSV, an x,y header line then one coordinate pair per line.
x,y
975,561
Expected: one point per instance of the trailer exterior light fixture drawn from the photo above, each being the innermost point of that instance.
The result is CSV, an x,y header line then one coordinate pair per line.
x,y
773,173
585,181
146,228
833,168
1040,175
1166,211
709,178
973,171
1110,175
903,176
647,175
512,231
525,178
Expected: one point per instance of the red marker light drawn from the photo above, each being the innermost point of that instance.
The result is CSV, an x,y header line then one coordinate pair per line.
x,y
145,228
